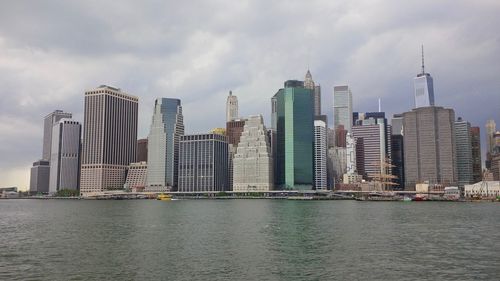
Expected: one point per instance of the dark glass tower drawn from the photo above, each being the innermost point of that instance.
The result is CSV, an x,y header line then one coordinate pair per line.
x,y
293,119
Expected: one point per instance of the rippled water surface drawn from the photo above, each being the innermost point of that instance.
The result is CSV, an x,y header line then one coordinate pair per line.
x,y
248,240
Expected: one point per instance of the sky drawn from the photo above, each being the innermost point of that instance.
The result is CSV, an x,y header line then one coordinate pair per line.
x,y
51,52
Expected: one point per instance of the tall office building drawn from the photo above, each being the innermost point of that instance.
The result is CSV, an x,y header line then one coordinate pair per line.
x,y
203,163
142,150
109,138
477,173
316,89
491,128
253,162
231,107
424,87
374,148
293,118
463,146
397,151
234,129
342,107
65,158
320,155
429,146
167,126
49,121
39,177
136,176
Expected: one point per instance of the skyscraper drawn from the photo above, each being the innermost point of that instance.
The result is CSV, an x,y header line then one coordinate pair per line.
x,y
316,89
293,119
231,107
234,128
424,87
253,162
203,163
49,121
109,138
429,146
65,158
477,174
397,150
463,146
374,153
320,155
39,177
342,107
167,126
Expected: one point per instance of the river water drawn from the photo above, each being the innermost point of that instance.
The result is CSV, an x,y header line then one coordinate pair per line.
x,y
248,240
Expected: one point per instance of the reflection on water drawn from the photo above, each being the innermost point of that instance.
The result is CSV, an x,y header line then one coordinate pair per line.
x,y
248,240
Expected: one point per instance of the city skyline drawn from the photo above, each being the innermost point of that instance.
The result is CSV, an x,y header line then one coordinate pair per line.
x,y
379,65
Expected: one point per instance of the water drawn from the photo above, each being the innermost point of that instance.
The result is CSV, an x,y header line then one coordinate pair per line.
x,y
248,240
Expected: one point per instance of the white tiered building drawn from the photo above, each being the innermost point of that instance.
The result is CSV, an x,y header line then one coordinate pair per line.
x,y
253,162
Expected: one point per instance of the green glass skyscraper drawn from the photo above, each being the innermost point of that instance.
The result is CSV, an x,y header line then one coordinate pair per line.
x,y
293,120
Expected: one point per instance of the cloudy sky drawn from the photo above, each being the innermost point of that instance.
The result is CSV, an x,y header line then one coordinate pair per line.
x,y
52,51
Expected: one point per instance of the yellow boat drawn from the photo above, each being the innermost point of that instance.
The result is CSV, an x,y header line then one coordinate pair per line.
x,y
164,197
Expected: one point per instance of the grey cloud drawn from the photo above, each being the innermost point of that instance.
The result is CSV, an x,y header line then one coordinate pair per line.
x,y
52,51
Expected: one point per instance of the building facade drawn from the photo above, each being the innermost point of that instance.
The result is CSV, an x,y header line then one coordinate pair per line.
x,y
65,157
342,107
167,126
109,138
374,148
429,146
40,176
231,107
320,156
142,150
477,171
316,90
48,123
397,151
293,117
424,87
463,146
253,162
203,163
136,176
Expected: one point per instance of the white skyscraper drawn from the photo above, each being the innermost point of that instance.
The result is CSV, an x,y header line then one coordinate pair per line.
x,y
163,144
48,123
316,90
253,162
351,154
231,107
424,87
65,157
320,155
342,107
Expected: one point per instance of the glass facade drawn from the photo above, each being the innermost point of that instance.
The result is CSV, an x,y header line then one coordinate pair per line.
x,y
293,110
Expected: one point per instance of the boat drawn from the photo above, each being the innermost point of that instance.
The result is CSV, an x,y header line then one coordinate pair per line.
x,y
164,197
407,199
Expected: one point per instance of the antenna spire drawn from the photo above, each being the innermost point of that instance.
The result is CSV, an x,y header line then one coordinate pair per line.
x,y
423,67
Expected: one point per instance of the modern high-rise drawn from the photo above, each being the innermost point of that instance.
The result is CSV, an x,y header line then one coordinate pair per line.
x,y
203,163
39,177
320,155
167,126
49,121
429,146
65,158
342,107
491,128
397,151
253,162
477,173
374,148
424,87
109,138
463,146
231,107
293,118
316,89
